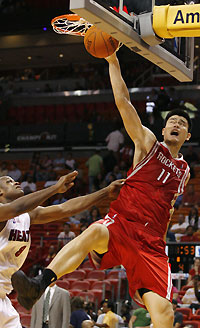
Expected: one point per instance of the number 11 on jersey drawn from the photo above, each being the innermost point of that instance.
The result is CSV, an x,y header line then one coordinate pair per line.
x,y
163,176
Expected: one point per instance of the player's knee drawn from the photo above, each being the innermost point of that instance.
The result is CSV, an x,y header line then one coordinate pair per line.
x,y
98,231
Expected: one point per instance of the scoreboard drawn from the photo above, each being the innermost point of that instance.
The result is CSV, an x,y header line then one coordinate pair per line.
x,y
181,255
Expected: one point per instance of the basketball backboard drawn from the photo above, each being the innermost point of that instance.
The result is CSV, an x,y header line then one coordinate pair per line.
x,y
135,32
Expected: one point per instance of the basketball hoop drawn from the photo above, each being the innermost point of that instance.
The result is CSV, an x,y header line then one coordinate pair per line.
x,y
70,24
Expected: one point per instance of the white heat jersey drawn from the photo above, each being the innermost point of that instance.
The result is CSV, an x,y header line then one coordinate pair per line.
x,y
14,247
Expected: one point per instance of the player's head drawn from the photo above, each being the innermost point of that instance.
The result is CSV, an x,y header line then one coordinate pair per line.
x,y
9,189
177,127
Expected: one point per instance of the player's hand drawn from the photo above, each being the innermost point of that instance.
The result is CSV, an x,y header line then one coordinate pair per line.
x,y
66,182
114,188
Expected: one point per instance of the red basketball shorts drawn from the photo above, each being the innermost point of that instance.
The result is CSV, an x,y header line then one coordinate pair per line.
x,y
140,251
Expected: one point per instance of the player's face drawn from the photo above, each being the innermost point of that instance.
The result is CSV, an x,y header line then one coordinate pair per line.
x,y
176,130
10,189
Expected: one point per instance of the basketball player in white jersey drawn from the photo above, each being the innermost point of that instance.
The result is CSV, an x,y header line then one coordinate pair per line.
x,y
17,212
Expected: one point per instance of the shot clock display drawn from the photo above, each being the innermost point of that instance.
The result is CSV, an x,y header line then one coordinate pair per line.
x,y
181,256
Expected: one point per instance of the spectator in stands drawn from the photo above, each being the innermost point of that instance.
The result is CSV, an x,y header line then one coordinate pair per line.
x,y
53,309
195,270
3,169
170,236
189,235
70,163
59,162
29,184
39,173
50,256
178,201
190,197
109,161
51,174
35,160
95,167
126,154
190,298
140,318
65,236
175,294
59,199
46,162
178,316
197,286
14,172
192,159
78,313
89,307
114,140
193,217
125,311
108,319
94,215
179,228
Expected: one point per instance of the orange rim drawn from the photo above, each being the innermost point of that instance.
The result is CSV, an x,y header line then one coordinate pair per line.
x,y
70,17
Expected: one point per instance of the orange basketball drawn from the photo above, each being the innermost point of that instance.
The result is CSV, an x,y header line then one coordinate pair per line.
x,y
98,43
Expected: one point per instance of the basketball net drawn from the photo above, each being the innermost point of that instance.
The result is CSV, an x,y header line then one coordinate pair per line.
x,y
70,24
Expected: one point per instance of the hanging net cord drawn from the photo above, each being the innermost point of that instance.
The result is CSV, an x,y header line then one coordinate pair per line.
x,y
63,25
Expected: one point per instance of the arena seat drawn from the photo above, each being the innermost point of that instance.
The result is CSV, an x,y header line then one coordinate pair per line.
x,y
77,274
87,296
113,274
194,324
96,274
81,285
197,312
98,294
86,264
25,320
63,284
184,288
21,309
186,311
195,317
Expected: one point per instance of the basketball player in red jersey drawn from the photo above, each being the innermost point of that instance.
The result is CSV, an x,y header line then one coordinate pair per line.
x,y
133,232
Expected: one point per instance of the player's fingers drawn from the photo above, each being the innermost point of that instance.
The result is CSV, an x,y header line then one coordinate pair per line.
x,y
71,176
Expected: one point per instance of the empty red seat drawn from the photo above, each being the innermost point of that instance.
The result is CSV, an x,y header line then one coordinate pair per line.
x,y
96,274
87,296
63,284
186,311
87,264
195,317
194,324
82,285
77,274
184,288
113,274
101,284
98,295
25,320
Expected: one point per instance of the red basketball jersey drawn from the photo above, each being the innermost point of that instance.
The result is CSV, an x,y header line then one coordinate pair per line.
x,y
151,187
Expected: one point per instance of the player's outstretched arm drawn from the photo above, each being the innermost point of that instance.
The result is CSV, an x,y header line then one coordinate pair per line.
x,y
131,120
73,206
29,202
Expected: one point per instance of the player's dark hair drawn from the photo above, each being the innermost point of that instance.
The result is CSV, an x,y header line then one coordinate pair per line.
x,y
179,112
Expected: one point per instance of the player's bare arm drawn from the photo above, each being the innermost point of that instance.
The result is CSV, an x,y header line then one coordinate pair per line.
x,y
31,201
141,136
42,215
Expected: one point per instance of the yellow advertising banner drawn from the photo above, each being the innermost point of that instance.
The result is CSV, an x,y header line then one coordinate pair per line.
x,y
173,21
